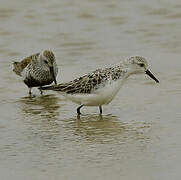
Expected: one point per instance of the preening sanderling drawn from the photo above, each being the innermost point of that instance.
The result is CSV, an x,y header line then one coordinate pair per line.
x,y
38,69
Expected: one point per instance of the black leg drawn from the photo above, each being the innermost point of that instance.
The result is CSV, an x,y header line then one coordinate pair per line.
x,y
78,109
100,108
30,91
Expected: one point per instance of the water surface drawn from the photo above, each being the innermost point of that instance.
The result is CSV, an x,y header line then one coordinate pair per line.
x,y
138,136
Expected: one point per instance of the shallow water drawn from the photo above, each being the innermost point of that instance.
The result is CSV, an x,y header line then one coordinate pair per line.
x,y
138,136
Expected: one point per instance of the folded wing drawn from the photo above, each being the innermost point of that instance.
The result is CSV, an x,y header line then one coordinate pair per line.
x,y
84,84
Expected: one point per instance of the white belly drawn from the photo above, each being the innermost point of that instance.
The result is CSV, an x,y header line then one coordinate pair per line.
x,y
103,95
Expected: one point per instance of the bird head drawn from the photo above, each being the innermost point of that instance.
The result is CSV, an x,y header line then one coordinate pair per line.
x,y
138,65
47,58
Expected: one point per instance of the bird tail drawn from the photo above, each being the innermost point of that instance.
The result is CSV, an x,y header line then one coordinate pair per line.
x,y
17,68
54,87
60,87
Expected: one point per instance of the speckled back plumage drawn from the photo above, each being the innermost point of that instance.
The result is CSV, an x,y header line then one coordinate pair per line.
x,y
19,66
90,82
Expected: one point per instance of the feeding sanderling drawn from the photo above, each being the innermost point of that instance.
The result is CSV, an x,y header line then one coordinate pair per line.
x,y
38,69
101,86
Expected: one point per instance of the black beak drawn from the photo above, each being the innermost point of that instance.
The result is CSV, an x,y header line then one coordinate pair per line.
x,y
53,74
151,75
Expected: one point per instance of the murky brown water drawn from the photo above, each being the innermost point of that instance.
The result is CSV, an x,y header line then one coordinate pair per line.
x,y
138,136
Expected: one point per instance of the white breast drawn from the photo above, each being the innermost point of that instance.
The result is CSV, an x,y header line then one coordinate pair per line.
x,y
103,95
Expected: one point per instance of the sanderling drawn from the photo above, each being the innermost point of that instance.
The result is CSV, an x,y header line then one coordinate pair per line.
x,y
37,70
101,86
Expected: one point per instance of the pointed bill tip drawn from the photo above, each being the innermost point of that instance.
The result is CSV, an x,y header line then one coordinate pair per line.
x,y
53,75
151,75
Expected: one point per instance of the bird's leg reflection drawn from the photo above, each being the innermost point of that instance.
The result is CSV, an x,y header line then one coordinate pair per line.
x,y
46,106
41,91
100,117
78,116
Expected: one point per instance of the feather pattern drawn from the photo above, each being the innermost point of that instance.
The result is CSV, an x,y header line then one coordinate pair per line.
x,y
101,86
38,69
89,83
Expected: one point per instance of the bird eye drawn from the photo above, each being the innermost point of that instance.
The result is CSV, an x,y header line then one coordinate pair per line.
x,y
141,65
45,61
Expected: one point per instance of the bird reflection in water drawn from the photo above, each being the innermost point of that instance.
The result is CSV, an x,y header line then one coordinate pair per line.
x,y
45,106
107,128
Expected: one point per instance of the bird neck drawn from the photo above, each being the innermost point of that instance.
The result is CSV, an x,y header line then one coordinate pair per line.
x,y
118,72
123,71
